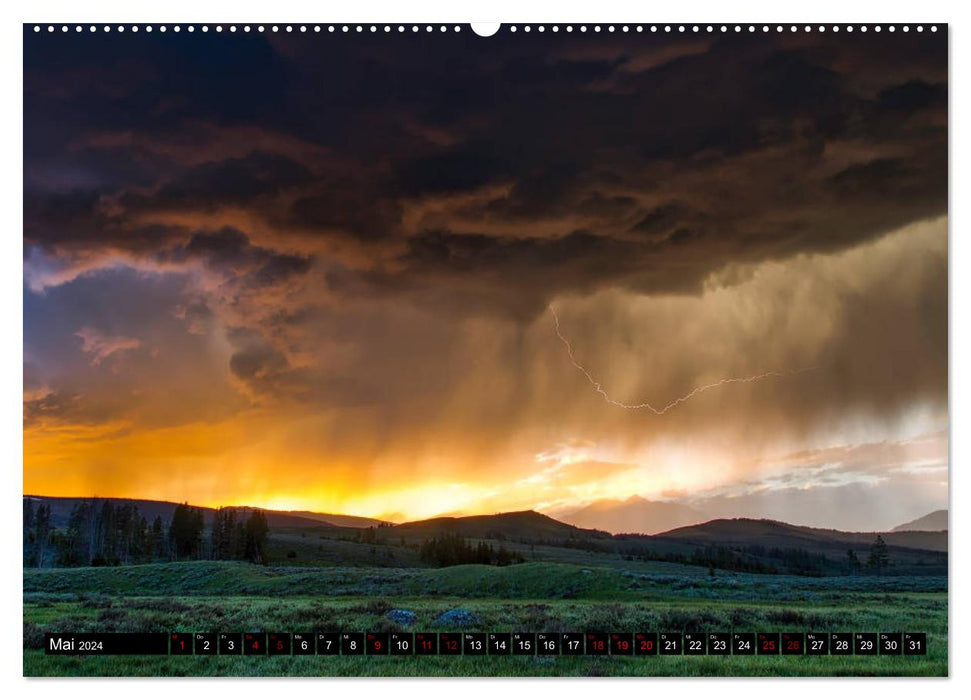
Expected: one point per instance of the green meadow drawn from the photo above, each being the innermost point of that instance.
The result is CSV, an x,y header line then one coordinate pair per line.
x,y
642,596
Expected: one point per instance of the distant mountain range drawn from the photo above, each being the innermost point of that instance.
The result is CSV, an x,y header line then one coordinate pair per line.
x,y
630,520
771,533
637,515
742,543
932,522
634,515
768,543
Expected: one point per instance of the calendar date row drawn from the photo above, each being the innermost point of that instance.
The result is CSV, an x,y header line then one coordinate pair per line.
x,y
491,643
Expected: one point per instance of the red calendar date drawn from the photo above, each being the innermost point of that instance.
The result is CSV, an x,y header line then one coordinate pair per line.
x,y
645,644
450,644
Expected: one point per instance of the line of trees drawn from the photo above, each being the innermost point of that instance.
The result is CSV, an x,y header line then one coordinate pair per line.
x,y
110,533
452,549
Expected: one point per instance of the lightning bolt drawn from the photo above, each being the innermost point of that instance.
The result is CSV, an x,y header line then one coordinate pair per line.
x,y
598,387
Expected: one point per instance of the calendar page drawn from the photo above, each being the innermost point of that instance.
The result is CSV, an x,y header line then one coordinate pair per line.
x,y
442,350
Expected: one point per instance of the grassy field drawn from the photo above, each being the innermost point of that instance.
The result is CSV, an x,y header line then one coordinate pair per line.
x,y
222,596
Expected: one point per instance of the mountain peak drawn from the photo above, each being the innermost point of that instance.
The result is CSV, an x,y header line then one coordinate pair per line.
x,y
932,522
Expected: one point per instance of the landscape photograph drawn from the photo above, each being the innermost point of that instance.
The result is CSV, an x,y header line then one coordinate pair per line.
x,y
598,330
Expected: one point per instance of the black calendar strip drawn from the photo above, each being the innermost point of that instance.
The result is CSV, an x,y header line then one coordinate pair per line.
x,y
106,644
491,643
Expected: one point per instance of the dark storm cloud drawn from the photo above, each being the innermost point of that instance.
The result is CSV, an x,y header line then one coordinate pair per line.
x,y
663,219
82,221
912,97
344,206
466,252
739,149
456,170
882,179
230,249
232,182
465,176
61,217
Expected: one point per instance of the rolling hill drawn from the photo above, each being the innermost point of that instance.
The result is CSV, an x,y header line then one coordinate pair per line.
x,y
772,533
523,526
61,510
634,515
932,522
